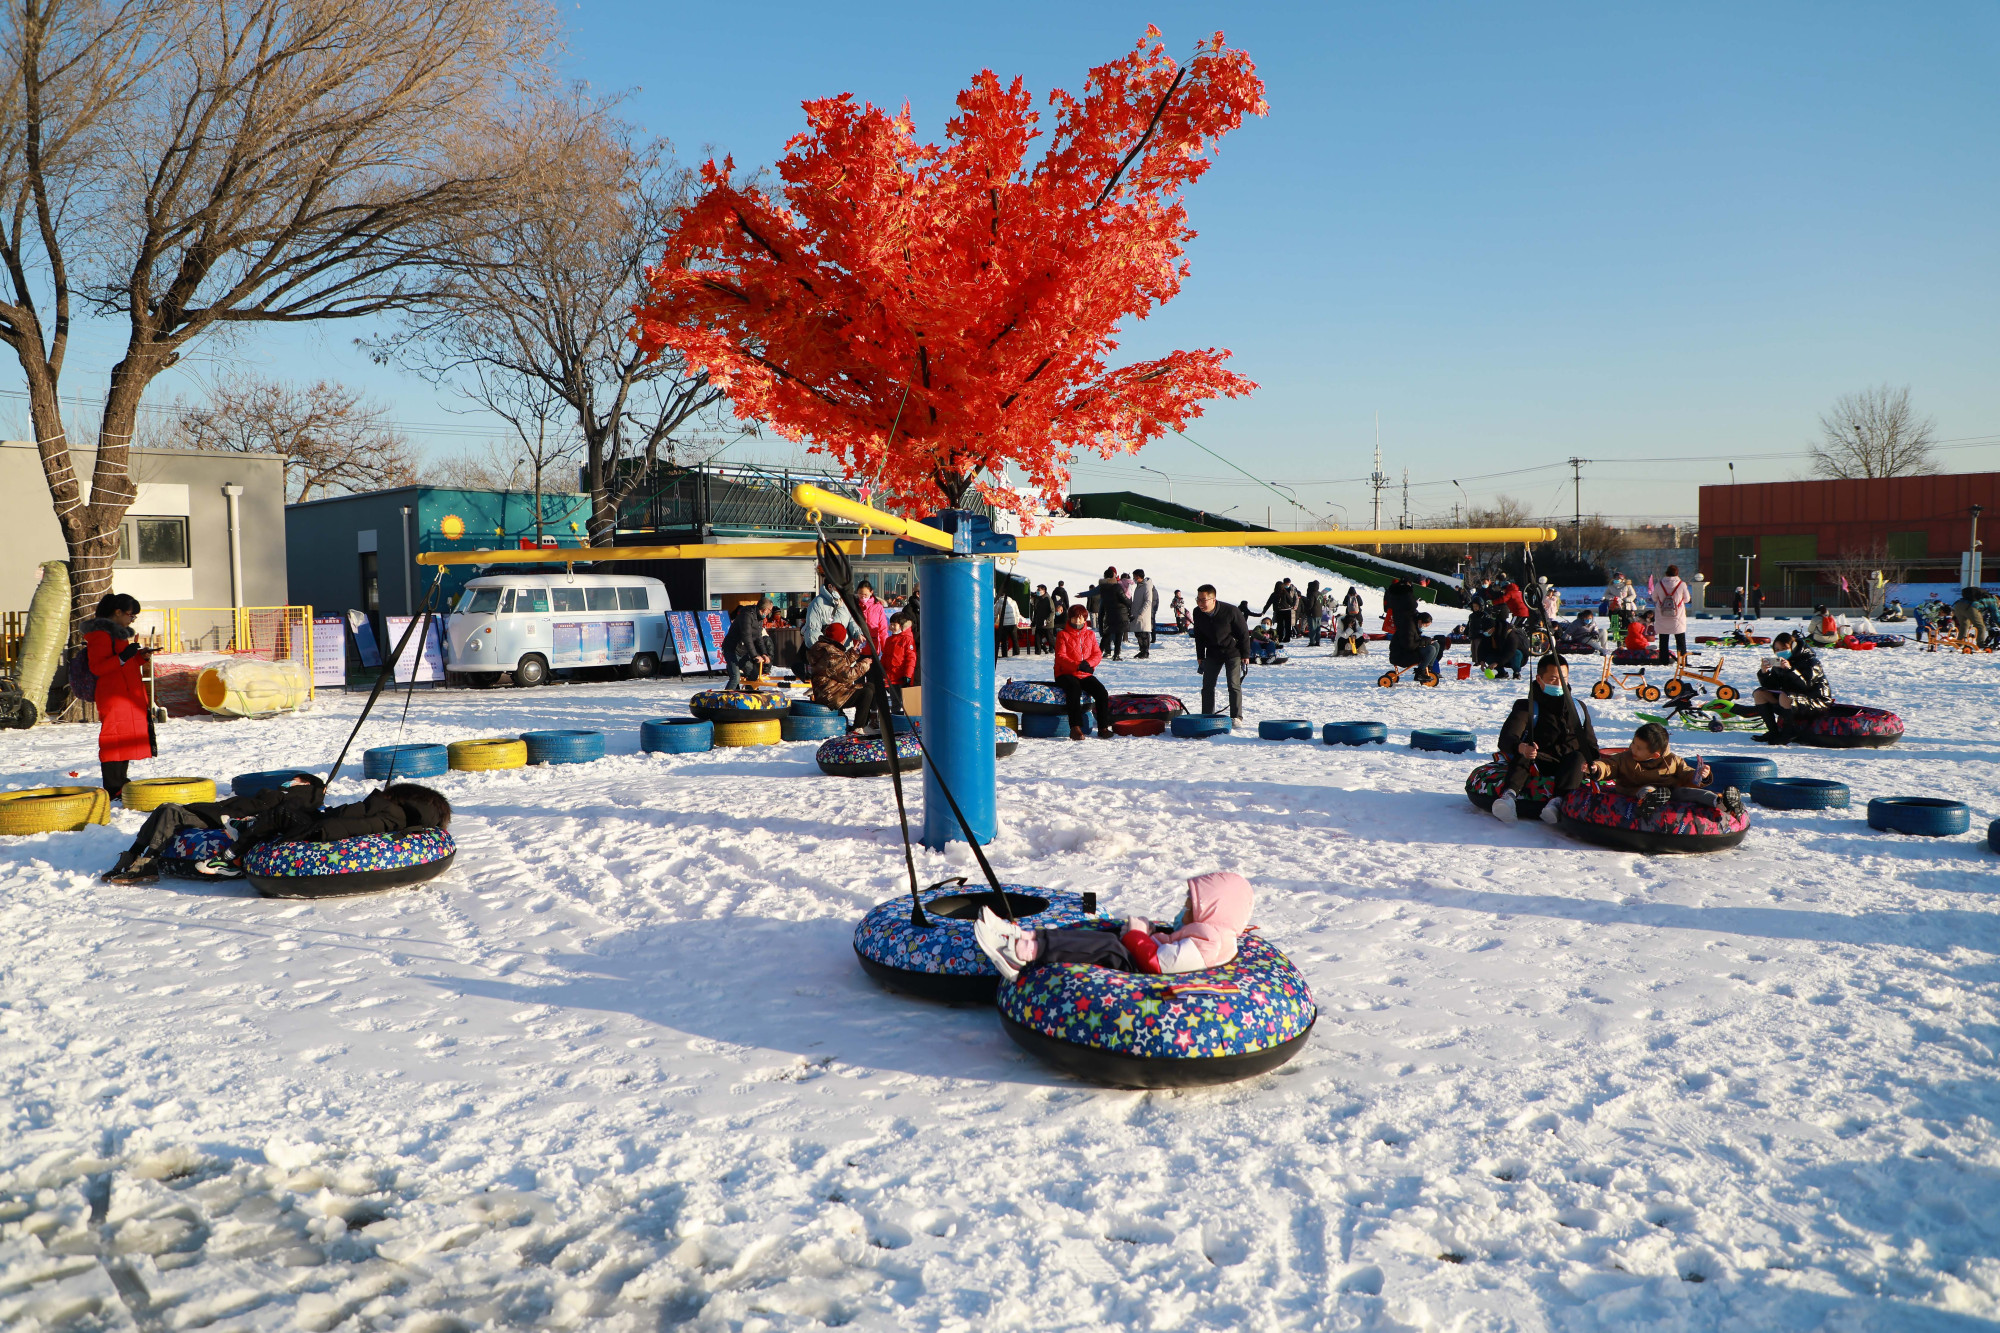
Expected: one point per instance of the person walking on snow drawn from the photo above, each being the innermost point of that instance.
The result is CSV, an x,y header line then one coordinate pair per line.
x,y
1006,624
1114,616
746,647
1222,644
1314,605
1145,609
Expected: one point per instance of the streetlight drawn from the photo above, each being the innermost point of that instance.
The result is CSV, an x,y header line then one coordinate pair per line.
x,y
1156,472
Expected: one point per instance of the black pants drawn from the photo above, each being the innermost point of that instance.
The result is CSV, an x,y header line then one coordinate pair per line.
x,y
1005,644
1074,688
1092,948
1680,647
1111,642
862,701
1044,641
114,775
159,830
1284,626
1565,773
1145,641
1213,667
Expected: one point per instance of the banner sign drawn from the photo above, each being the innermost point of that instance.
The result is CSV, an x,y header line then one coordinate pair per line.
x,y
417,667
714,627
329,650
364,640
686,632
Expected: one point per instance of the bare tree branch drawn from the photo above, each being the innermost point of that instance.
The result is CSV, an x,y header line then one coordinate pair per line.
x,y
331,438
1875,434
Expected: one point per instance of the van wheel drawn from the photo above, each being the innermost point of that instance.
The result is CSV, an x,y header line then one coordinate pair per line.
x,y
531,670
643,665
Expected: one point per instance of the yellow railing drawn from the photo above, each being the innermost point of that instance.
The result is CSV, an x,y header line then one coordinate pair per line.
x,y
277,633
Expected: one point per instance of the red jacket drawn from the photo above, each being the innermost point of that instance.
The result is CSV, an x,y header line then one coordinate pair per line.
x,y
1075,649
1516,604
1636,636
899,658
124,727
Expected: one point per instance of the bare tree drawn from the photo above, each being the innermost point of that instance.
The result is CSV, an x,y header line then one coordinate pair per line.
x,y
1866,572
542,308
331,438
545,445
1874,434
184,167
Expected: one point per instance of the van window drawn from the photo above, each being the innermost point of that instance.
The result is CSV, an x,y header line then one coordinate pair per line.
x,y
632,599
480,601
602,599
568,599
529,601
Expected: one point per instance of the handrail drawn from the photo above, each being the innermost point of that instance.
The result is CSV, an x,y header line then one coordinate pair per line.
x,y
1337,537
818,497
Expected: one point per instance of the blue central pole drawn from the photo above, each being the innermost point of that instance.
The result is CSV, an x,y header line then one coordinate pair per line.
x,y
956,648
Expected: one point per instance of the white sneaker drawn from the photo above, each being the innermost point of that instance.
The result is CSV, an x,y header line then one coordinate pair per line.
x,y
1550,811
1503,808
994,937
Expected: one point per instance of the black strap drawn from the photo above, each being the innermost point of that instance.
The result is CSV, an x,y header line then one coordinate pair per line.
x,y
389,669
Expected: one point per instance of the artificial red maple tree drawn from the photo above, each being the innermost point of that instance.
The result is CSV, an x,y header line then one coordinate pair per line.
x,y
963,297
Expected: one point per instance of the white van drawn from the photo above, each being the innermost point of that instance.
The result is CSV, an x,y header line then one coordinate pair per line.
x,y
532,624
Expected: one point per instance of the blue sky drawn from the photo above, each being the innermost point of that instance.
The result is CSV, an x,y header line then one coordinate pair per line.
x,y
1520,232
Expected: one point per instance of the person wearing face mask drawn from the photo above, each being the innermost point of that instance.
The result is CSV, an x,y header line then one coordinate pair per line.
x,y
1792,689
1549,733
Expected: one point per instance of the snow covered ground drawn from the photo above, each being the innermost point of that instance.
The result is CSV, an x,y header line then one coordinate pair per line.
x,y
619,1070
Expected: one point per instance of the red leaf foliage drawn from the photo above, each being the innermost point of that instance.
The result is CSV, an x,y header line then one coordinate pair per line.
x,y
972,290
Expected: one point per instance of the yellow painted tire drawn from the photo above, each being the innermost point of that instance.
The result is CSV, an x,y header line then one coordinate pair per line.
x,y
152,793
53,809
1011,721
765,731
489,753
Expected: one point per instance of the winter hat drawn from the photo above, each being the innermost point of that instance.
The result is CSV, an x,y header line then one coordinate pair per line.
x,y
837,632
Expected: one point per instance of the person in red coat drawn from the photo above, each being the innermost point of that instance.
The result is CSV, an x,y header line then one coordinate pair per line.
x,y
1078,652
124,718
899,654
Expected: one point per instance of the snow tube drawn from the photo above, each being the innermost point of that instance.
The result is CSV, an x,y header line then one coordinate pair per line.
x,y
1925,816
1855,643
1738,771
811,726
1200,724
1138,1030
352,865
1355,733
1448,739
761,731
152,793
1482,787
1140,726
677,735
1600,815
1800,793
866,756
249,784
1637,657
807,708
1849,726
190,847
53,809
1005,740
942,961
489,753
563,747
736,705
386,763
1028,697
1044,725
1883,640
1148,706
1285,729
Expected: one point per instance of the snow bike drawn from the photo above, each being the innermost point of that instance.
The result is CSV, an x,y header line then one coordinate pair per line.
x,y
1710,675
1687,713
1609,685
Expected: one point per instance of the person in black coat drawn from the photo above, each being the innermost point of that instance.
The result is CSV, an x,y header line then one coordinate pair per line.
x,y
746,647
1549,733
1478,626
1315,607
1408,646
1114,616
1221,636
1041,618
1792,689
297,799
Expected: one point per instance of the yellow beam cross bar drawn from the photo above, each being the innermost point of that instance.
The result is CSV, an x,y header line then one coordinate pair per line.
x,y
588,555
816,497
1114,541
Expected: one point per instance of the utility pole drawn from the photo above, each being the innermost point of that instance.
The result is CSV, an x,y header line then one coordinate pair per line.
x,y
1378,479
1576,481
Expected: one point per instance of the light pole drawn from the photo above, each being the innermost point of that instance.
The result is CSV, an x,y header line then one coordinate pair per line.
x,y
1169,480
1746,573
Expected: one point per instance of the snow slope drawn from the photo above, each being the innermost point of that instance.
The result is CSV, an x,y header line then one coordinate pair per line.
x,y
619,1070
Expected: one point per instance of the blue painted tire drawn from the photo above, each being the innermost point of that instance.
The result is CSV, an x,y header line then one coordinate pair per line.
x,y
812,727
1042,726
1193,725
1355,733
1285,729
397,763
903,723
807,708
1993,835
1925,816
1137,1030
352,865
563,747
677,735
1800,794
942,961
1738,771
1448,740
249,784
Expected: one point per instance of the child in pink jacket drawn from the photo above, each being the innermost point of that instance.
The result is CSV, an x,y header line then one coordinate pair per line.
x,y
1216,911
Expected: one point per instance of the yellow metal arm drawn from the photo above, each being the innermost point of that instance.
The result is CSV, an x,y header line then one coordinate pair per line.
x,y
816,497
1339,537
587,555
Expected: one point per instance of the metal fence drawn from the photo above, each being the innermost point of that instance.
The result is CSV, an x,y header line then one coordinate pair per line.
x,y
732,498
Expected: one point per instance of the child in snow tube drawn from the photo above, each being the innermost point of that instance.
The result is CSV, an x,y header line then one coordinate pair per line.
x,y
160,838
1650,771
1792,690
1216,910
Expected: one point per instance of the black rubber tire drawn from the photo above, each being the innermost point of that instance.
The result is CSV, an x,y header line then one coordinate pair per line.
x,y
1602,690
1355,733
1285,729
880,768
1738,771
532,669
1993,835
1446,740
1125,1071
643,666
1800,794
1924,816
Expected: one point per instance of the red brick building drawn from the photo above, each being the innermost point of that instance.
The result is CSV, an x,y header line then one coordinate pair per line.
x,y
1796,528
